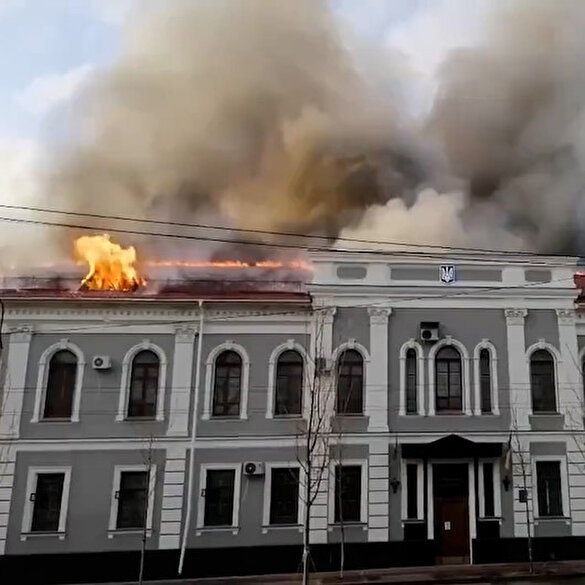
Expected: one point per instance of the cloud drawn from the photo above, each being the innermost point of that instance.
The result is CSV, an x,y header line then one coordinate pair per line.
x,y
47,92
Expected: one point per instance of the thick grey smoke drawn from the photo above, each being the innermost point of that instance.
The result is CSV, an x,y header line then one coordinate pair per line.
x,y
270,115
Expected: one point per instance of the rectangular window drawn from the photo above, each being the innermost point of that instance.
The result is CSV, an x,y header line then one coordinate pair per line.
x,y
548,479
485,381
284,496
47,502
219,497
488,490
348,492
411,382
132,499
412,491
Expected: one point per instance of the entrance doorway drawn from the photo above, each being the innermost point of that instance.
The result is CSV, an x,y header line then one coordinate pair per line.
x,y
451,512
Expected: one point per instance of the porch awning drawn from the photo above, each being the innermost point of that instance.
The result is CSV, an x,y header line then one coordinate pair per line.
x,y
451,447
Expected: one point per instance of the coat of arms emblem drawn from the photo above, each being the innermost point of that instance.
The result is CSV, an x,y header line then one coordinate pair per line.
x,y
447,273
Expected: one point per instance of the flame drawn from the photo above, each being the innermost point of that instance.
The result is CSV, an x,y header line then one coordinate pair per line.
x,y
111,267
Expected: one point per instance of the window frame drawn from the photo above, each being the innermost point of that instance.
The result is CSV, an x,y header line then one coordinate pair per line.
x,y
117,478
465,378
144,345
565,501
203,469
337,364
485,344
43,378
497,485
238,365
363,463
31,485
289,345
556,360
454,391
420,487
420,375
267,499
145,366
210,381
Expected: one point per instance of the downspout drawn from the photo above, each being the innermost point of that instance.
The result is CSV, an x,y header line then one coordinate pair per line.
x,y
193,434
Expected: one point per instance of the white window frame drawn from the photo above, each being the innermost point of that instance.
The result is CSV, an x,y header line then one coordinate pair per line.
x,y
118,470
420,490
449,341
562,460
497,488
43,378
228,345
267,501
144,345
355,345
31,486
487,345
205,467
289,345
420,374
557,361
363,463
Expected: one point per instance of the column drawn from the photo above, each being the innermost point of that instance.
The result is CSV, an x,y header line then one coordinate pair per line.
x,y
182,381
519,379
172,501
570,382
378,494
522,480
15,380
7,473
377,371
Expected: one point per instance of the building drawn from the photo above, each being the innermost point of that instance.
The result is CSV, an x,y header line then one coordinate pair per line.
x,y
450,398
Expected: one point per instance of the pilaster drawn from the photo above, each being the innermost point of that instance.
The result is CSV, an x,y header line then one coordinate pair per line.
x,y
378,491
377,374
171,516
518,376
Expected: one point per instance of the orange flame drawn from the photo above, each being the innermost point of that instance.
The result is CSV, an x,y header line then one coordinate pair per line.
x,y
111,267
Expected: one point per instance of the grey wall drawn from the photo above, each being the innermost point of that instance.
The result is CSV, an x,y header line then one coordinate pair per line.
x,y
541,324
92,477
351,323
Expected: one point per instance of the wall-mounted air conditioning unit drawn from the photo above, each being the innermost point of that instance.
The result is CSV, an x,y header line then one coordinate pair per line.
x,y
101,362
429,331
253,468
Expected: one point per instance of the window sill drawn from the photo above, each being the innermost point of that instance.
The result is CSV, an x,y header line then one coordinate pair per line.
x,y
271,527
350,415
224,418
286,417
545,519
362,525
55,420
413,521
26,535
451,413
129,532
497,519
210,529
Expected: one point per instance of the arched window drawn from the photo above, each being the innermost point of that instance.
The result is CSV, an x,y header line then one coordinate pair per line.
x,y
485,381
60,385
448,393
289,383
350,382
542,382
227,384
411,382
143,385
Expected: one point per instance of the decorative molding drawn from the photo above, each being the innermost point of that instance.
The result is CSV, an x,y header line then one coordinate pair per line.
x,y
515,316
21,333
184,333
566,316
557,361
494,395
420,375
379,315
205,467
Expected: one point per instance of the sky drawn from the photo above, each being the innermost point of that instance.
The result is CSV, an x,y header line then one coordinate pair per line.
x,y
50,48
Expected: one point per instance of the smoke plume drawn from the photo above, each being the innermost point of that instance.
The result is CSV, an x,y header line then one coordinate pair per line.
x,y
271,115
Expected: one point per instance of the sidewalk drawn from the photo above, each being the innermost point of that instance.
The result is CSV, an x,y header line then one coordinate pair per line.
x,y
572,572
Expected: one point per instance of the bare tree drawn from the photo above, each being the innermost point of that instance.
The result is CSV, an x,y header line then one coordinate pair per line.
x,y
148,493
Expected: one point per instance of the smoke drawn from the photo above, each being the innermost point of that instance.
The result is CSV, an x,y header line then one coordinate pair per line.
x,y
272,115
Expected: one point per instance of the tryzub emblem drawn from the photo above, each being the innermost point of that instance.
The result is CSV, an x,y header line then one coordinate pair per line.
x,y
447,273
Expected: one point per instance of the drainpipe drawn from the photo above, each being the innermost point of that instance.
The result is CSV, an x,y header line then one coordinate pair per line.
x,y
193,434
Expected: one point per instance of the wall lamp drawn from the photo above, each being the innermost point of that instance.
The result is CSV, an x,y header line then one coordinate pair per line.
x,y
394,484
506,482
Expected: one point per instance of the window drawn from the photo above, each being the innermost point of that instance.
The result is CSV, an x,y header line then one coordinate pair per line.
x,y
548,479
542,382
60,385
488,490
132,498
448,393
219,497
411,382
144,385
485,381
350,379
412,491
47,499
227,384
289,383
348,492
284,496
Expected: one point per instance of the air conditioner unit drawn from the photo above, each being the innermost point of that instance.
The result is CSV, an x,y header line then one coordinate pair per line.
x,y
252,468
429,331
101,362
